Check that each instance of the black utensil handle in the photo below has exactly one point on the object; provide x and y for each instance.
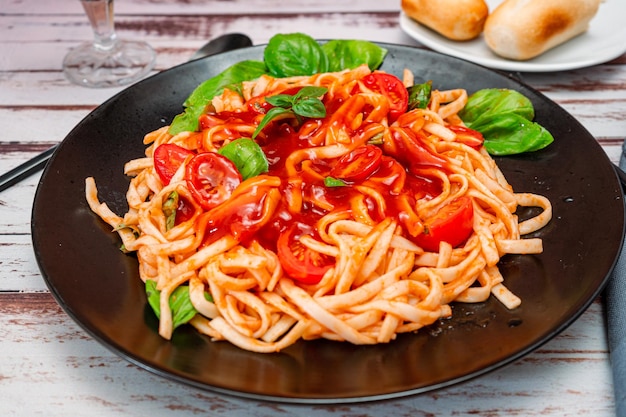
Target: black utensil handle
(26, 169)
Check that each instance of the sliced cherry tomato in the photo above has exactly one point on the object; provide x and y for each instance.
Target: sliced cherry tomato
(408, 148)
(167, 159)
(390, 86)
(299, 262)
(184, 211)
(452, 224)
(258, 105)
(211, 178)
(469, 137)
(358, 164)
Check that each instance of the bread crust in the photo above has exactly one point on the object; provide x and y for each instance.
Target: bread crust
(459, 20)
(524, 29)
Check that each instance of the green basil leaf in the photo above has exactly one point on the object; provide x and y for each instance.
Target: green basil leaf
(247, 156)
(153, 296)
(419, 95)
(288, 55)
(377, 139)
(348, 54)
(510, 134)
(504, 117)
(280, 100)
(169, 209)
(197, 102)
(271, 114)
(309, 107)
(310, 91)
(486, 103)
(180, 303)
(333, 182)
(182, 308)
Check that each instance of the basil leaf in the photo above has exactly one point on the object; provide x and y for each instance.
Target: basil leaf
(309, 107)
(419, 95)
(285, 55)
(247, 156)
(486, 103)
(504, 117)
(349, 54)
(180, 303)
(199, 99)
(271, 114)
(153, 297)
(293, 54)
(280, 100)
(333, 182)
(511, 134)
(310, 91)
(169, 209)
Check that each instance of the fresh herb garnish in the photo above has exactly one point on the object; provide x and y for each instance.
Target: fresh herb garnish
(419, 95)
(334, 182)
(180, 303)
(196, 104)
(169, 209)
(247, 156)
(504, 117)
(305, 103)
(288, 54)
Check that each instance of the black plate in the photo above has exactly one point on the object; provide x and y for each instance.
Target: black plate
(99, 287)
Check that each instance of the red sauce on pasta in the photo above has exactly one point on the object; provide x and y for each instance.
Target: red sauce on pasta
(398, 183)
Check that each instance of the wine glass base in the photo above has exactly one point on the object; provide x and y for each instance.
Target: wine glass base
(124, 63)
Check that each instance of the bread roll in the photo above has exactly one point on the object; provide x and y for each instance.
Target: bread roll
(459, 20)
(524, 29)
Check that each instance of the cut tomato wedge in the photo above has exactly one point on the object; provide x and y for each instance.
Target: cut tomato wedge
(298, 261)
(167, 159)
(358, 164)
(407, 147)
(211, 178)
(391, 87)
(185, 210)
(453, 223)
(258, 105)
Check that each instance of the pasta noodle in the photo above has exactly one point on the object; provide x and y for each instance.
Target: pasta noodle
(377, 279)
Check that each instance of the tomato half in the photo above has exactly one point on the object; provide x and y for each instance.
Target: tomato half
(358, 164)
(408, 148)
(469, 137)
(299, 262)
(167, 159)
(452, 224)
(258, 105)
(211, 178)
(390, 86)
(184, 211)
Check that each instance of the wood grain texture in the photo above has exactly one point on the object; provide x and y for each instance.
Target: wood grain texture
(50, 366)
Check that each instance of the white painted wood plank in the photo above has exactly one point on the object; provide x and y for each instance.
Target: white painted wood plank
(18, 267)
(75, 28)
(204, 7)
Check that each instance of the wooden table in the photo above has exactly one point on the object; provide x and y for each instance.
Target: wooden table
(49, 366)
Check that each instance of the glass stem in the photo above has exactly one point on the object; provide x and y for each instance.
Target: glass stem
(100, 14)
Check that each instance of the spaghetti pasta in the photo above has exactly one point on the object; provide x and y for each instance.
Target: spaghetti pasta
(285, 255)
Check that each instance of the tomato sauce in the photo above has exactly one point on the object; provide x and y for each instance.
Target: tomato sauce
(392, 170)
(390, 179)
